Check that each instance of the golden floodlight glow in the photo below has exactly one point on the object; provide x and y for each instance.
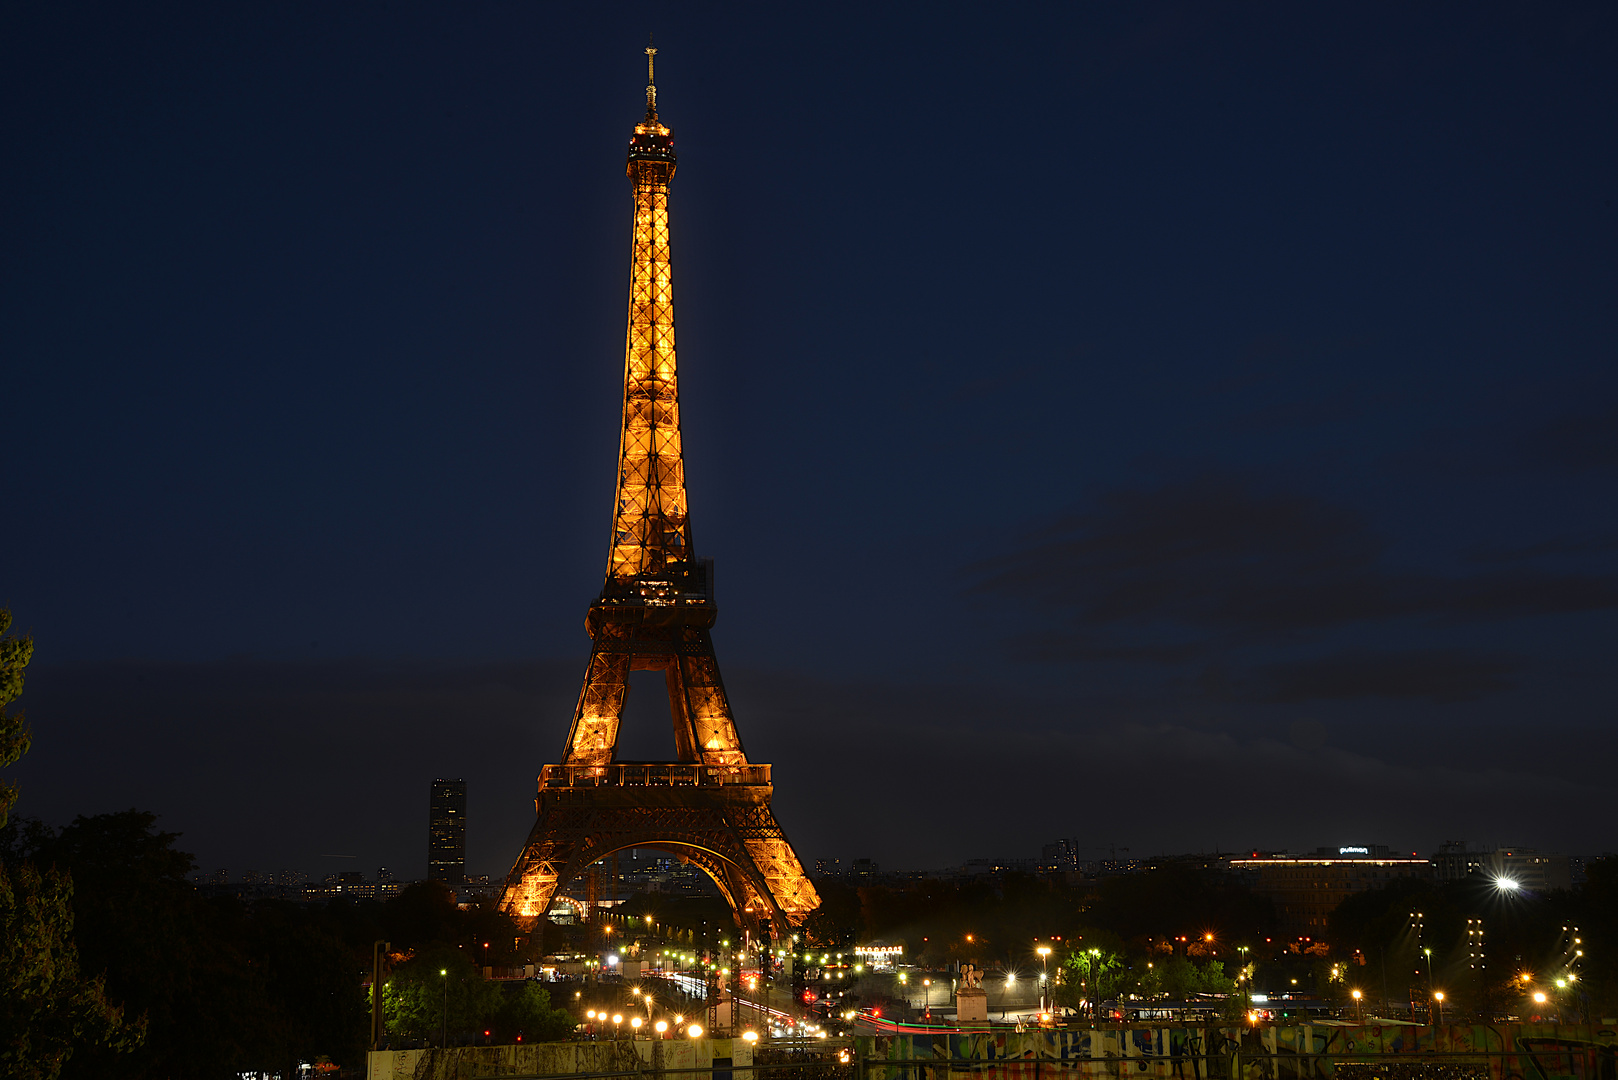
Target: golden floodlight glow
(654, 613)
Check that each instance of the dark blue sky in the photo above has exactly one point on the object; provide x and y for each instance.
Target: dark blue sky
(1187, 426)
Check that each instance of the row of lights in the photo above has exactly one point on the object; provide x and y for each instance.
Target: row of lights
(693, 1030)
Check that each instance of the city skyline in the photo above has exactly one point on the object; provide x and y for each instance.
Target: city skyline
(1197, 435)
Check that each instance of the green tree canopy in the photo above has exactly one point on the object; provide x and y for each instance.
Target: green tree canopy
(48, 1008)
(15, 652)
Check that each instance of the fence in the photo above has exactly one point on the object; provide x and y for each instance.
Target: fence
(1305, 1052)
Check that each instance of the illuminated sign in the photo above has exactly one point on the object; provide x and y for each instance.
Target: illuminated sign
(1353, 851)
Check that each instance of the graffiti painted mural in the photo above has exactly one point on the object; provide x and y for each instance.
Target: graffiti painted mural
(1319, 1052)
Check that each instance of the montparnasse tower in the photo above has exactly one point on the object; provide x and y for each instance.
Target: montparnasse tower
(710, 805)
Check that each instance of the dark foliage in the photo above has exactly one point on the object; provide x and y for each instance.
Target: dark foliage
(48, 1008)
(222, 987)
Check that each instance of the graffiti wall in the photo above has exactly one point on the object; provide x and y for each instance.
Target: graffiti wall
(1371, 1052)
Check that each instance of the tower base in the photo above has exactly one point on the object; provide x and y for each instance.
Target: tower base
(715, 817)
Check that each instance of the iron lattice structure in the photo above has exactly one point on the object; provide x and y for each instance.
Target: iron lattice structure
(711, 805)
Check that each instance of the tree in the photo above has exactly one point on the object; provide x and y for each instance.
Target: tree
(438, 994)
(1093, 975)
(15, 652)
(47, 1007)
(527, 1013)
(226, 988)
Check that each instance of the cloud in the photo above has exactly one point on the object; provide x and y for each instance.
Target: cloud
(1218, 556)
(1584, 441)
(1071, 646)
(1437, 675)
(1565, 545)
(267, 765)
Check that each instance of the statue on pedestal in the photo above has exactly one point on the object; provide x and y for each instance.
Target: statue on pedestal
(971, 1000)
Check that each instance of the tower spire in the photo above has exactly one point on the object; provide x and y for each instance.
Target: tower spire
(651, 80)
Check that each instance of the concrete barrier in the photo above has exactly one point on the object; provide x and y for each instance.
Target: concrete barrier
(551, 1059)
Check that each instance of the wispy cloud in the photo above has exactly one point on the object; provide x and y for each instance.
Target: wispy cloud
(1217, 555)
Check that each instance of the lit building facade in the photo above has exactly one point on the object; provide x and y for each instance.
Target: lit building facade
(446, 833)
(1306, 888)
(1526, 868)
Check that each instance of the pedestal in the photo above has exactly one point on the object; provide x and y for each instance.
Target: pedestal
(724, 1014)
(971, 1006)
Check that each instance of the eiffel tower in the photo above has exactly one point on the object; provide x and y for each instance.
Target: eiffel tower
(711, 806)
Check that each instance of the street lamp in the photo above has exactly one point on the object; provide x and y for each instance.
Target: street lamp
(1359, 1012)
(695, 1031)
(927, 988)
(443, 975)
(1044, 952)
(1438, 996)
(1429, 953)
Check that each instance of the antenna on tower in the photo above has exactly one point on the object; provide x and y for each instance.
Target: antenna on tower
(651, 80)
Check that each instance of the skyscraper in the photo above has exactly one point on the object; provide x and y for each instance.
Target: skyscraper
(446, 833)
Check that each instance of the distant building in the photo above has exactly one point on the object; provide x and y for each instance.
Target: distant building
(1060, 856)
(996, 867)
(828, 868)
(1578, 864)
(1305, 888)
(289, 884)
(446, 833)
(1536, 871)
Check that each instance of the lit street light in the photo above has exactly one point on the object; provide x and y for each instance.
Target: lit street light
(1044, 952)
(443, 974)
(1359, 1011)
(1438, 996)
(1429, 953)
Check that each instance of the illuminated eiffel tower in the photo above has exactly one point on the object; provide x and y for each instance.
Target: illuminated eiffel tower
(711, 806)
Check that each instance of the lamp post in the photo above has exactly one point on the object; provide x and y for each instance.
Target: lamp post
(927, 988)
(378, 950)
(1359, 1012)
(1246, 976)
(1429, 953)
(1044, 952)
(443, 975)
(1438, 996)
(1095, 979)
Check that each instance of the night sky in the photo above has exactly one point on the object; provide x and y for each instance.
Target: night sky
(1177, 427)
